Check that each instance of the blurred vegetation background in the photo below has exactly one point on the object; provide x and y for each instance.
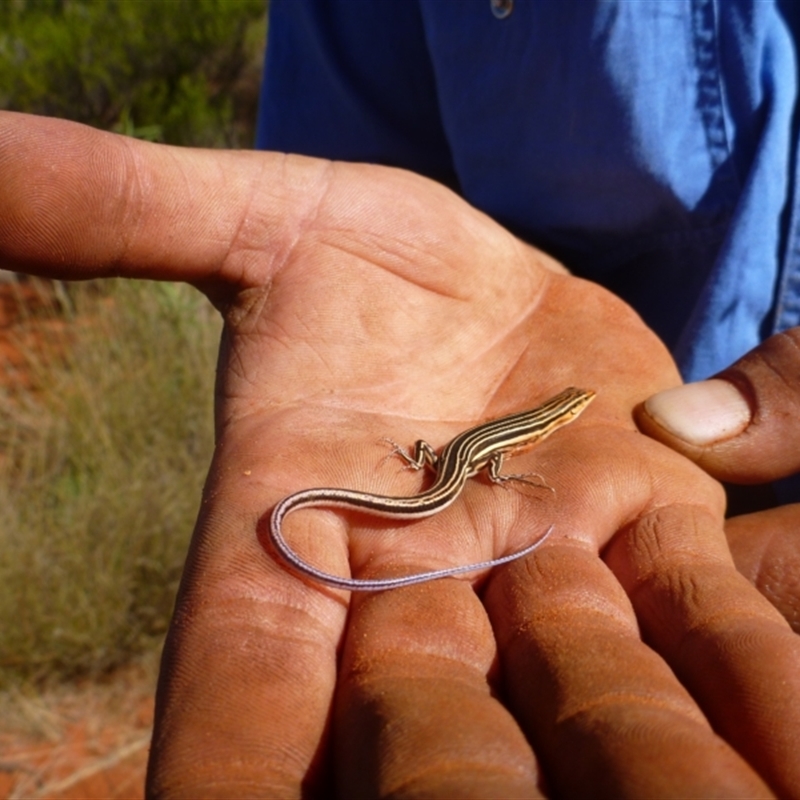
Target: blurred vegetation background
(106, 418)
(106, 434)
(176, 71)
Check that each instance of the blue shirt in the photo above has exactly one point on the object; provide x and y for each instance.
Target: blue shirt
(651, 146)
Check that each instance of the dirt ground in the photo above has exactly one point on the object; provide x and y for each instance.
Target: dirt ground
(87, 740)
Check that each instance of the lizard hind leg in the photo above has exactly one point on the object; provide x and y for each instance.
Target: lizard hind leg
(424, 455)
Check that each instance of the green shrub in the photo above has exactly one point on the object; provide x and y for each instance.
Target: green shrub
(180, 71)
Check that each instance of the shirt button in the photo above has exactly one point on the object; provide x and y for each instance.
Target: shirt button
(501, 8)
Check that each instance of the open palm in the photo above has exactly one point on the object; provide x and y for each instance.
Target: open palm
(361, 303)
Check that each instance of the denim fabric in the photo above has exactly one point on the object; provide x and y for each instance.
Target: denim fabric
(649, 145)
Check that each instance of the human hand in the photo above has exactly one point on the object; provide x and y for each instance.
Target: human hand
(362, 302)
(743, 426)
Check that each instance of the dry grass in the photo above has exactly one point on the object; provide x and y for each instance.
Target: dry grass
(103, 450)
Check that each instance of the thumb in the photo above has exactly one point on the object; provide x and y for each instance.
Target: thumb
(742, 425)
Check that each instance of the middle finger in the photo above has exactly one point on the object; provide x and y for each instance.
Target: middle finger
(415, 713)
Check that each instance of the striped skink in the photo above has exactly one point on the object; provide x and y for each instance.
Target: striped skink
(484, 446)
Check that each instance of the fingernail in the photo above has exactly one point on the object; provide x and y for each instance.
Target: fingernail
(700, 413)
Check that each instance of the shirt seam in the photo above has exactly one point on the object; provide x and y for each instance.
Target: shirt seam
(711, 95)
